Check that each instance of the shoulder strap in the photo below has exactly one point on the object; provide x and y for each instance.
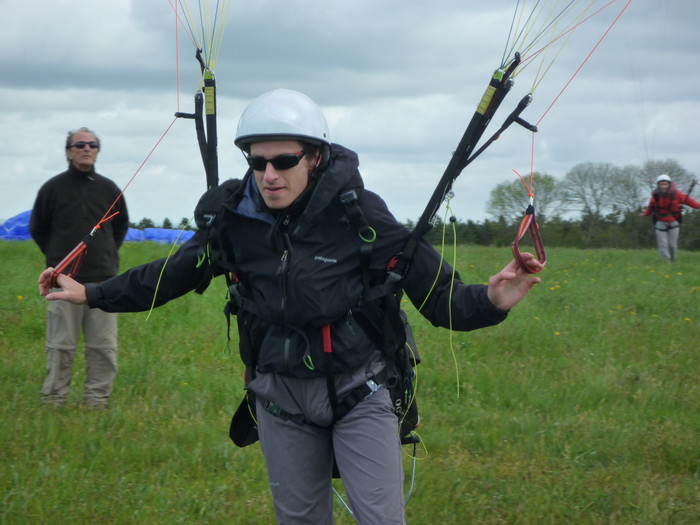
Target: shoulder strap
(206, 215)
(210, 203)
(350, 199)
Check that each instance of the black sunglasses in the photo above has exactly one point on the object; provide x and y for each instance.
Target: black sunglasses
(80, 145)
(280, 162)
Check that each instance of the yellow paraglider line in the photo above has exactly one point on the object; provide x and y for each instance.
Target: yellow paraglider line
(558, 21)
(205, 98)
(208, 34)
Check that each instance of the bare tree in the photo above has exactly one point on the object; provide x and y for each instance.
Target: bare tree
(629, 190)
(595, 191)
(587, 188)
(653, 168)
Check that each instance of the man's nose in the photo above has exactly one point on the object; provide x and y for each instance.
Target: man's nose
(270, 171)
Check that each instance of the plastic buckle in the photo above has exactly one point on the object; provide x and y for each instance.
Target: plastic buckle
(373, 387)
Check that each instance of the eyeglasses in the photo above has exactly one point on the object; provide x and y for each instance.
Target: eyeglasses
(81, 144)
(280, 162)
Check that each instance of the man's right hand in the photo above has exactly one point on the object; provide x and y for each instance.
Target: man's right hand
(71, 290)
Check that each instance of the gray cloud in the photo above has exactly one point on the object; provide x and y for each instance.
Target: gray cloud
(398, 80)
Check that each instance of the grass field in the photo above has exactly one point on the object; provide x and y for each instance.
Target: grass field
(582, 408)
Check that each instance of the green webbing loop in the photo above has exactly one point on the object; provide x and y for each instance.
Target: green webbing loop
(308, 362)
(202, 257)
(367, 239)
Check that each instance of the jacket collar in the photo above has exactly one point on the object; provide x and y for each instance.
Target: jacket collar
(79, 173)
(342, 171)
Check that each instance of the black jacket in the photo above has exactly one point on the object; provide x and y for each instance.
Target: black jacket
(66, 209)
(301, 269)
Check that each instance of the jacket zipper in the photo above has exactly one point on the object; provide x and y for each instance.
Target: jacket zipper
(283, 272)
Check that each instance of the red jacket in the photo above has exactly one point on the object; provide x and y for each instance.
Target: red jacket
(667, 207)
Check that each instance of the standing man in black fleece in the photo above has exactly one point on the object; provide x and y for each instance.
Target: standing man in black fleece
(310, 325)
(66, 209)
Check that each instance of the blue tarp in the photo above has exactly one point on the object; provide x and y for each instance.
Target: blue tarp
(159, 235)
(17, 229)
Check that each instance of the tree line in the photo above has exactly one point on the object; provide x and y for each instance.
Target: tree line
(630, 231)
(167, 224)
(595, 205)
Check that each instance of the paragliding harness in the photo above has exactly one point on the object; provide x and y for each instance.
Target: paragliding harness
(383, 320)
(673, 196)
(378, 314)
(392, 333)
(658, 212)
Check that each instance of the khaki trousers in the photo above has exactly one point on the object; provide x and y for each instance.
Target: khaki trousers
(65, 322)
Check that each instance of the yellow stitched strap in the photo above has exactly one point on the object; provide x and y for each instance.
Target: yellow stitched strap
(490, 91)
(209, 92)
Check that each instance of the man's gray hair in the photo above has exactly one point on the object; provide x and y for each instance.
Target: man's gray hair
(71, 134)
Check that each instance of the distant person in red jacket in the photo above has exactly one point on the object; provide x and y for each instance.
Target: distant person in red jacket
(665, 207)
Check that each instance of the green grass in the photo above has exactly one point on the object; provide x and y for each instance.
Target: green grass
(583, 407)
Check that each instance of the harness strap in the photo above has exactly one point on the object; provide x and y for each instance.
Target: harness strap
(350, 200)
(344, 406)
(670, 226)
(276, 410)
(243, 303)
(380, 290)
(328, 362)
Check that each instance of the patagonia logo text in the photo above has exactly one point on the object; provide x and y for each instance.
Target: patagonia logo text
(325, 259)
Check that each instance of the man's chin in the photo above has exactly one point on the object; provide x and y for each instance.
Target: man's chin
(276, 204)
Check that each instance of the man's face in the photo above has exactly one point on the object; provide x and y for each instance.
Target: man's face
(83, 158)
(664, 185)
(280, 187)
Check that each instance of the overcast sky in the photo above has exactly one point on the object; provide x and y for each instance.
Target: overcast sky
(398, 81)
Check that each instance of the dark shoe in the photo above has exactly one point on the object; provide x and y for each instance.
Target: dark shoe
(53, 401)
(96, 404)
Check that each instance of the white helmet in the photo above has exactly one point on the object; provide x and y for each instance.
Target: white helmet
(283, 114)
(663, 177)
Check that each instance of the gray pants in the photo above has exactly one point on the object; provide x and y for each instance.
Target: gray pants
(366, 446)
(65, 322)
(667, 239)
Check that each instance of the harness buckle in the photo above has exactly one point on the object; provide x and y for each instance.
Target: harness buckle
(373, 387)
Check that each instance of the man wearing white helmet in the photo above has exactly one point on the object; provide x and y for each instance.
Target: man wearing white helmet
(665, 208)
(308, 248)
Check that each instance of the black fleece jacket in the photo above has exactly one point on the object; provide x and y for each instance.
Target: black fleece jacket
(66, 209)
(303, 270)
